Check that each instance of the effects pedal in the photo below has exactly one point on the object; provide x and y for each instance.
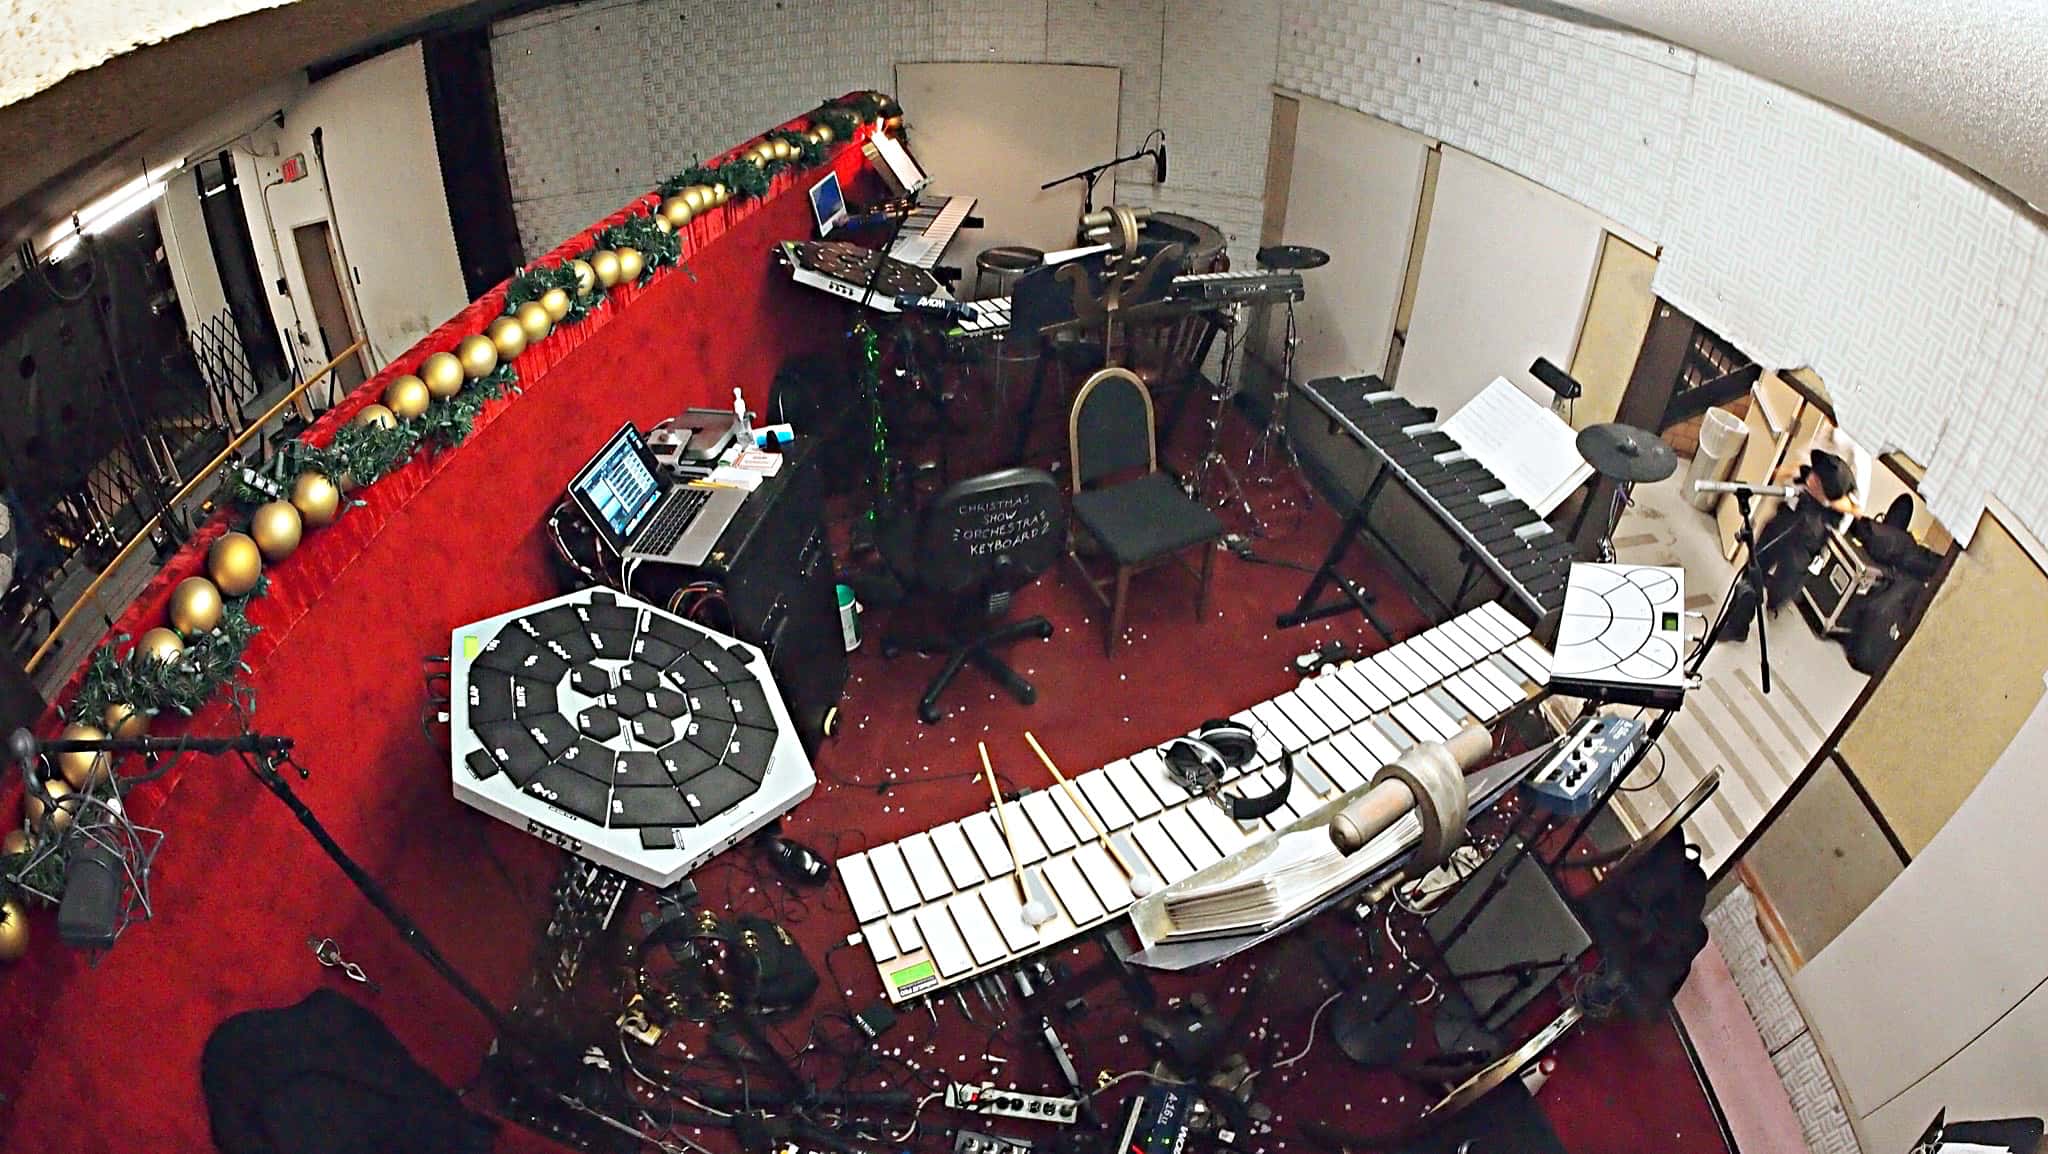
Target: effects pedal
(1583, 763)
(1160, 1120)
(994, 1102)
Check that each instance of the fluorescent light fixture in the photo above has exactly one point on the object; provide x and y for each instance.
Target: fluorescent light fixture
(108, 211)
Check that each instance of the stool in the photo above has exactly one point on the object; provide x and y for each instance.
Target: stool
(1006, 262)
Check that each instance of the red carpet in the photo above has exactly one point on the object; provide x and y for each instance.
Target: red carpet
(106, 1058)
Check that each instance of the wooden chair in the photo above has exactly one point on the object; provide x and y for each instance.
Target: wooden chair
(1136, 514)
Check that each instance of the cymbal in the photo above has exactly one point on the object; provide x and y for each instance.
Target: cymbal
(1292, 256)
(1626, 453)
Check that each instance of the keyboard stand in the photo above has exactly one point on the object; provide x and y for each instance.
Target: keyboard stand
(1353, 595)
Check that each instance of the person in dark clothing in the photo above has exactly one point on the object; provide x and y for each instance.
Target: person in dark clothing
(1792, 538)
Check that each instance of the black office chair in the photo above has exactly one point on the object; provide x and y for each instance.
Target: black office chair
(1140, 520)
(972, 547)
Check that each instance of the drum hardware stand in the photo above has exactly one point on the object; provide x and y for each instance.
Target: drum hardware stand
(1274, 438)
(1214, 460)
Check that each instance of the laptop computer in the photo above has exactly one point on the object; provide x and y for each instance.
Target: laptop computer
(644, 515)
(828, 204)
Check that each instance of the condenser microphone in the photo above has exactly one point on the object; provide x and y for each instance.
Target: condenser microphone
(1159, 161)
(1788, 492)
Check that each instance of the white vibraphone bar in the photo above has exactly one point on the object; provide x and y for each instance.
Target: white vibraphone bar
(943, 906)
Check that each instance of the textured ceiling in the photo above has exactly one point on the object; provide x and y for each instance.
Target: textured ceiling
(1965, 78)
(89, 131)
(43, 41)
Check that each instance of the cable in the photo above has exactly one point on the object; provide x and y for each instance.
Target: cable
(1311, 1043)
(915, 1117)
(1658, 749)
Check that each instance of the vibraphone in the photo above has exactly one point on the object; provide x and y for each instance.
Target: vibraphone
(944, 905)
(1495, 531)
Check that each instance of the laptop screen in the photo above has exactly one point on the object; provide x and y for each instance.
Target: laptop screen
(617, 486)
(828, 203)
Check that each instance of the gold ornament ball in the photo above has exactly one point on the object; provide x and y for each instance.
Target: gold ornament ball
(13, 931)
(605, 263)
(161, 644)
(824, 132)
(442, 373)
(377, 415)
(316, 498)
(720, 193)
(586, 277)
(697, 198)
(478, 356)
(407, 397)
(126, 720)
(85, 768)
(631, 265)
(556, 302)
(508, 336)
(195, 606)
(277, 528)
(677, 210)
(785, 149)
(235, 564)
(534, 321)
(14, 844)
(32, 806)
(662, 226)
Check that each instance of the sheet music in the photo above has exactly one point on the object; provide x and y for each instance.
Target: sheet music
(1528, 447)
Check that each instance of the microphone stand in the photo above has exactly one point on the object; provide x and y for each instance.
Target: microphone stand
(1094, 173)
(1753, 574)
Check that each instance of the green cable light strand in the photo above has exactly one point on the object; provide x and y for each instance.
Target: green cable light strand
(869, 344)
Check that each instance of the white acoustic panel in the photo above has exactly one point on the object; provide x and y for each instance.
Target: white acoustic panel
(1506, 272)
(1353, 192)
(1951, 946)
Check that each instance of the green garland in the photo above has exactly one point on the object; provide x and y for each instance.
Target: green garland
(140, 681)
(657, 249)
(47, 877)
(535, 281)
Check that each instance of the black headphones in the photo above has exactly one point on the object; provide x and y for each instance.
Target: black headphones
(1200, 763)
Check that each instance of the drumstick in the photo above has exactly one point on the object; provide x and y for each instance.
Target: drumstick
(1036, 913)
(1141, 883)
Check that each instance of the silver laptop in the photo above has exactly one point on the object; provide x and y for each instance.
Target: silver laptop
(643, 514)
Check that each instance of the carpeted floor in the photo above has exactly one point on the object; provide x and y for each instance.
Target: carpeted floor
(240, 888)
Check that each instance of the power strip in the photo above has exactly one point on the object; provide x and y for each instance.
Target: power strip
(981, 1142)
(995, 1102)
(1571, 780)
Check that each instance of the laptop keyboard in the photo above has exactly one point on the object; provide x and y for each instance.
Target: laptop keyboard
(673, 519)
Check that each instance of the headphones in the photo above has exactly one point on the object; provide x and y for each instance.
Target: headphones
(1201, 762)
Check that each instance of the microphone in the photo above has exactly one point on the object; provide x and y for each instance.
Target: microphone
(1159, 161)
(1787, 492)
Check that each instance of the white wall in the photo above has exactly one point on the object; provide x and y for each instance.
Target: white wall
(582, 139)
(189, 251)
(388, 205)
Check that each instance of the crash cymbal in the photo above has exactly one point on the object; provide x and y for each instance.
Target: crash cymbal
(1626, 453)
(1292, 256)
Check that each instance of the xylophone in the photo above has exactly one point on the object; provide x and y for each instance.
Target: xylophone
(944, 905)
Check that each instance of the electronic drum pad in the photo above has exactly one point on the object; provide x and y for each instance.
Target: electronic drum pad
(621, 733)
(1621, 636)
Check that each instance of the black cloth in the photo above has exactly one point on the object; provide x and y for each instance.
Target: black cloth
(1786, 547)
(326, 1077)
(1649, 924)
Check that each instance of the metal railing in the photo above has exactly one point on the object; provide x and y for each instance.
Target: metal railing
(249, 430)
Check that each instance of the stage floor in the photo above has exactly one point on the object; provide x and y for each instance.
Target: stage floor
(240, 888)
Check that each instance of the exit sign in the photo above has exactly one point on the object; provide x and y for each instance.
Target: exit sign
(294, 168)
